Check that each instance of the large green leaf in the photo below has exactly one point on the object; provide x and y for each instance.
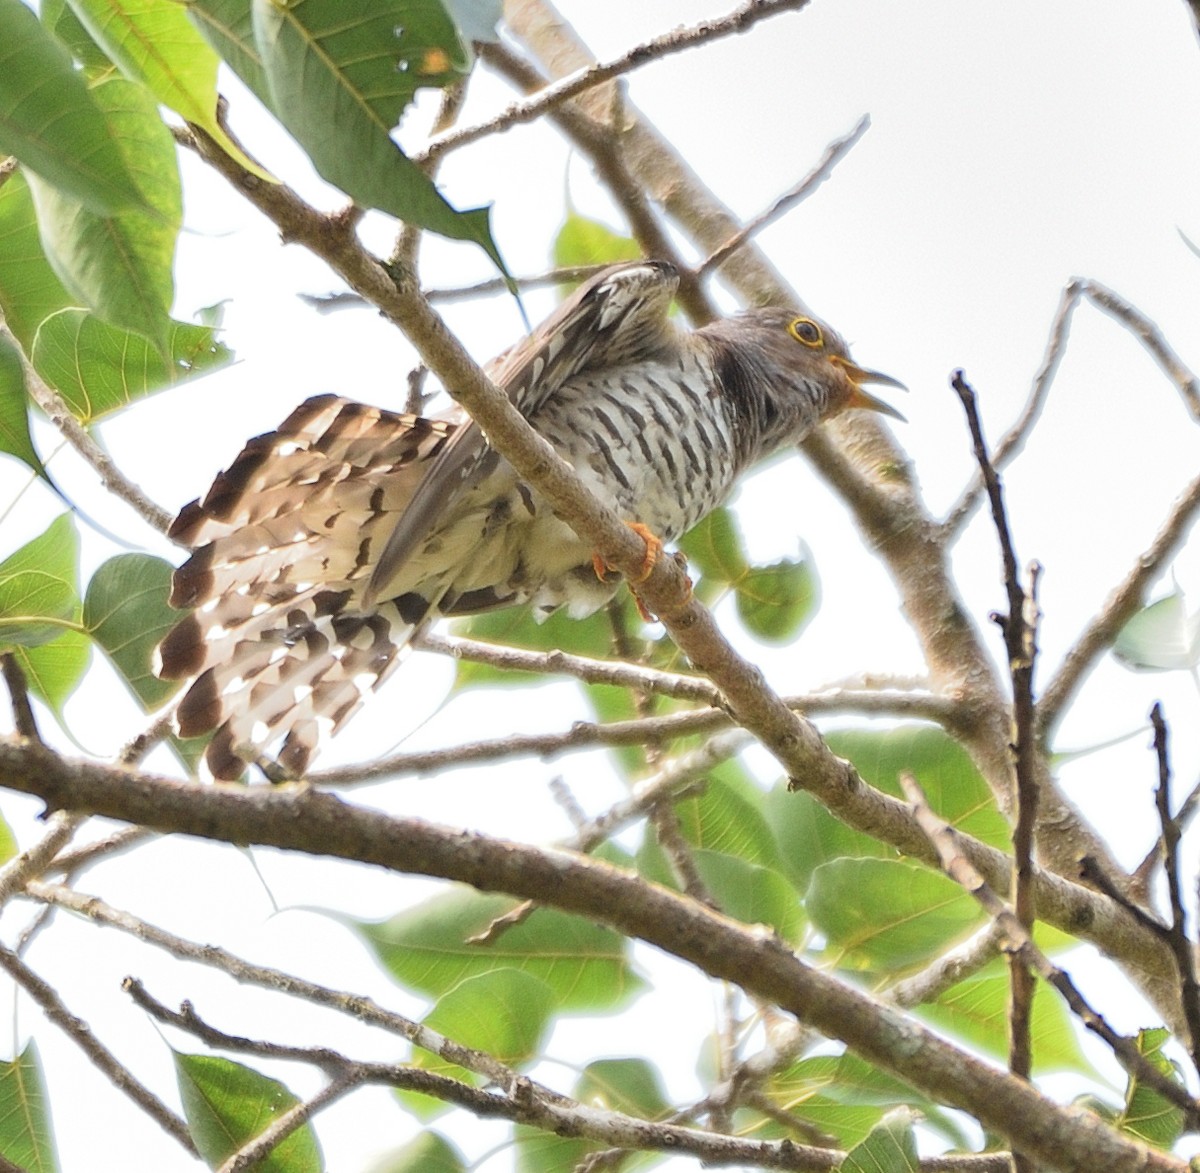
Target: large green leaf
(890, 1147)
(1147, 1114)
(727, 816)
(14, 409)
(888, 915)
(429, 949)
(99, 369)
(49, 120)
(26, 1138)
(60, 19)
(154, 43)
(581, 241)
(125, 610)
(228, 1104)
(30, 291)
(429, 1152)
(977, 1010)
(340, 78)
(228, 26)
(120, 265)
(38, 593)
(54, 669)
(504, 1012)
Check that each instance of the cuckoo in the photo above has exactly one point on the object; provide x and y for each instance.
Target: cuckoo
(328, 543)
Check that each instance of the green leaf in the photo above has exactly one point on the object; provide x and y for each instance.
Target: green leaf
(581, 241)
(29, 289)
(891, 1147)
(14, 410)
(776, 602)
(504, 1012)
(53, 670)
(126, 612)
(99, 369)
(153, 43)
(845, 1097)
(976, 1010)
(228, 26)
(120, 265)
(38, 595)
(228, 1104)
(1160, 638)
(886, 915)
(750, 893)
(26, 1137)
(339, 81)
(428, 948)
(632, 1086)
(49, 120)
(427, 1153)
(1147, 1114)
(727, 817)
(57, 16)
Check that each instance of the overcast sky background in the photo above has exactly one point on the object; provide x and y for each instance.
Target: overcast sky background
(1011, 148)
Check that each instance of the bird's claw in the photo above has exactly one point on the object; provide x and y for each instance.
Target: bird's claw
(654, 549)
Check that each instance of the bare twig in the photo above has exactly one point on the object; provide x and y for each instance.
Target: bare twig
(60, 415)
(1016, 939)
(82, 1036)
(1181, 947)
(18, 691)
(1013, 441)
(949, 968)
(553, 94)
(834, 154)
(1117, 610)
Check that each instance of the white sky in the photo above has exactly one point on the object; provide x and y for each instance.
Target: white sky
(1012, 147)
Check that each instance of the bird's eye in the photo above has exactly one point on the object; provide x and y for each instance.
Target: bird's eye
(807, 331)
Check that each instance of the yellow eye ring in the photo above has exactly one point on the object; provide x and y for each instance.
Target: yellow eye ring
(807, 332)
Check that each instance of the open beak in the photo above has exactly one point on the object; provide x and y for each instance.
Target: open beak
(864, 399)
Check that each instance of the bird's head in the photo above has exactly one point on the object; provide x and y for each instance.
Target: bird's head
(813, 356)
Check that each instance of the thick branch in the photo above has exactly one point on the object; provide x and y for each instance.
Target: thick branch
(302, 819)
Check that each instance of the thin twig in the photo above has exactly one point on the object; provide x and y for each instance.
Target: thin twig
(18, 691)
(655, 49)
(834, 154)
(945, 840)
(1118, 609)
(61, 416)
(1181, 947)
(81, 1035)
(1012, 442)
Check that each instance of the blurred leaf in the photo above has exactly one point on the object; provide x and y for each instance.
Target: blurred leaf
(890, 1148)
(429, 1152)
(774, 602)
(228, 1104)
(53, 670)
(427, 948)
(632, 1086)
(153, 42)
(126, 612)
(29, 289)
(339, 81)
(228, 26)
(99, 369)
(504, 1012)
(38, 593)
(476, 19)
(976, 1010)
(120, 265)
(727, 816)
(26, 1137)
(581, 241)
(49, 120)
(60, 19)
(886, 915)
(1147, 1114)
(846, 1097)
(14, 410)
(1160, 638)
(751, 893)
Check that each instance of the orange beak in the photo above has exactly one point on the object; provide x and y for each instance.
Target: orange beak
(864, 399)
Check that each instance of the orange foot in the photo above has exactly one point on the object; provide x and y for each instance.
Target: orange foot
(653, 550)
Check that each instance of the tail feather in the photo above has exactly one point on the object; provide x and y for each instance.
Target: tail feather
(279, 650)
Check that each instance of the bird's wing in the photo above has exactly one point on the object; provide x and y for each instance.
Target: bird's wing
(618, 316)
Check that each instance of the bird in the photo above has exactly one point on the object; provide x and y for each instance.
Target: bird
(328, 544)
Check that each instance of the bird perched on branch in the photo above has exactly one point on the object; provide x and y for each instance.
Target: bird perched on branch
(329, 542)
